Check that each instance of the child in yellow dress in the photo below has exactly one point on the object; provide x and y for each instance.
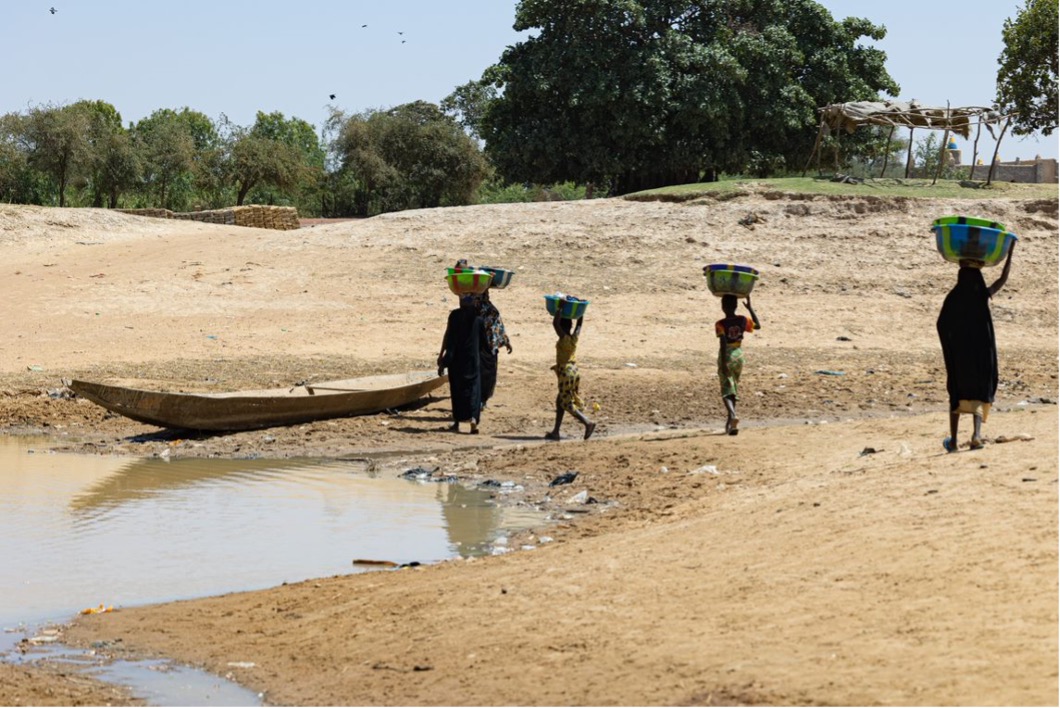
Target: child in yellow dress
(568, 378)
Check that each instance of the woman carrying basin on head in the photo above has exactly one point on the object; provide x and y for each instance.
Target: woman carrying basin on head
(966, 332)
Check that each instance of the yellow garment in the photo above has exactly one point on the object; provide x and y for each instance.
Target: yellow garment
(978, 408)
(566, 369)
(566, 349)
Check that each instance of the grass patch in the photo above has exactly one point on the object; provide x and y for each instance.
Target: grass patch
(889, 187)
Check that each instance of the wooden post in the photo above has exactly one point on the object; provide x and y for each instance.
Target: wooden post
(909, 154)
(997, 146)
(816, 145)
(942, 156)
(975, 148)
(942, 150)
(887, 153)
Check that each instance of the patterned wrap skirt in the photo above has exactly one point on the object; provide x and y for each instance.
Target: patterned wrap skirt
(569, 380)
(734, 359)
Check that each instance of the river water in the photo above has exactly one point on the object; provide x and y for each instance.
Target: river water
(79, 531)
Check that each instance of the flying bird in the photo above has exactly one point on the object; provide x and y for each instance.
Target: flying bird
(331, 96)
(52, 10)
(363, 26)
(401, 33)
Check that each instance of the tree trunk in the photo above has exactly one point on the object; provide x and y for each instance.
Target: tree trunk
(909, 155)
(887, 153)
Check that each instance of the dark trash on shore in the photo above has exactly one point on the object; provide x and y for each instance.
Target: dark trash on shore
(565, 478)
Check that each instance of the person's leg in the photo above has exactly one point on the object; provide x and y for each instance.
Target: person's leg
(731, 420)
(950, 443)
(977, 432)
(554, 433)
(589, 425)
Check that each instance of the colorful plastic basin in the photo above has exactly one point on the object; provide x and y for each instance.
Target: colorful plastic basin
(729, 279)
(970, 221)
(972, 241)
(569, 307)
(501, 277)
(468, 282)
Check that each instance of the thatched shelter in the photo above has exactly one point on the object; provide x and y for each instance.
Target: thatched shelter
(850, 116)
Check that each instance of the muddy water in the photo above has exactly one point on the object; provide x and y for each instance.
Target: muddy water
(79, 531)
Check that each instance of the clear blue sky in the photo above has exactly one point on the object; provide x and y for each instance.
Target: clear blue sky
(239, 56)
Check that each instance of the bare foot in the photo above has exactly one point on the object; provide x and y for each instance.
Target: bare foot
(589, 428)
(474, 429)
(734, 426)
(552, 435)
(454, 428)
(975, 443)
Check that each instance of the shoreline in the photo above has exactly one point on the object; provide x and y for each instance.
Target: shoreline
(851, 562)
(640, 505)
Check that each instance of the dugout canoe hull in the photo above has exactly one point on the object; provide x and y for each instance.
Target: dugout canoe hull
(248, 410)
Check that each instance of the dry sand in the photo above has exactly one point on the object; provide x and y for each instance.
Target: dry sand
(806, 570)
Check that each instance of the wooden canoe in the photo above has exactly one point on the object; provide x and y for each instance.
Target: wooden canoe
(246, 410)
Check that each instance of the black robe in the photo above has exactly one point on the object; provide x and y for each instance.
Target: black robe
(488, 362)
(966, 331)
(463, 337)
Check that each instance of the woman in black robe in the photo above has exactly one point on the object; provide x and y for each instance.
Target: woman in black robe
(966, 332)
(461, 355)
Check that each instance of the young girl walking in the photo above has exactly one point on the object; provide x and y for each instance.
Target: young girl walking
(730, 330)
(568, 378)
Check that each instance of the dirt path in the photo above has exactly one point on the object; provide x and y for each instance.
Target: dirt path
(807, 570)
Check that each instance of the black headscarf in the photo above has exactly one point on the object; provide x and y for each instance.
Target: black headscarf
(966, 331)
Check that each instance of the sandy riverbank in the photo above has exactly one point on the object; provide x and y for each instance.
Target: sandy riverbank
(807, 570)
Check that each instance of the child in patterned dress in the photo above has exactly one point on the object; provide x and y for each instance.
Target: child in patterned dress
(730, 330)
(568, 378)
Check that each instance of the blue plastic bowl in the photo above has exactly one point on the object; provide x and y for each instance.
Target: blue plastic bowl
(501, 277)
(729, 279)
(568, 308)
(972, 242)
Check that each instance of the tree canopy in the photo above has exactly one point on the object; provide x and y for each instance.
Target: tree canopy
(412, 156)
(641, 93)
(1027, 77)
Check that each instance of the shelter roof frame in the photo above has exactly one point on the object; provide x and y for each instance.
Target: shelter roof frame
(908, 114)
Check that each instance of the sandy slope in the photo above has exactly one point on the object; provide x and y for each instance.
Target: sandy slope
(805, 572)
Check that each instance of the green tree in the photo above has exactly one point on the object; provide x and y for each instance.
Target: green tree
(111, 166)
(409, 157)
(642, 93)
(1027, 77)
(467, 104)
(19, 182)
(56, 142)
(165, 145)
(117, 166)
(279, 154)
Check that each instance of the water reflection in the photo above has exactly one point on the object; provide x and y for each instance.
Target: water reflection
(147, 478)
(471, 523)
(77, 531)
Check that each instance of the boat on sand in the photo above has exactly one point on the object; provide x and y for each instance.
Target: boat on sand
(247, 410)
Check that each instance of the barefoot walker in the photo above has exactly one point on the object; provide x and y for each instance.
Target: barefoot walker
(567, 375)
(730, 330)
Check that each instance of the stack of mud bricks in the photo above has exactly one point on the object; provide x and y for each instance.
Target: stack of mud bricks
(257, 216)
